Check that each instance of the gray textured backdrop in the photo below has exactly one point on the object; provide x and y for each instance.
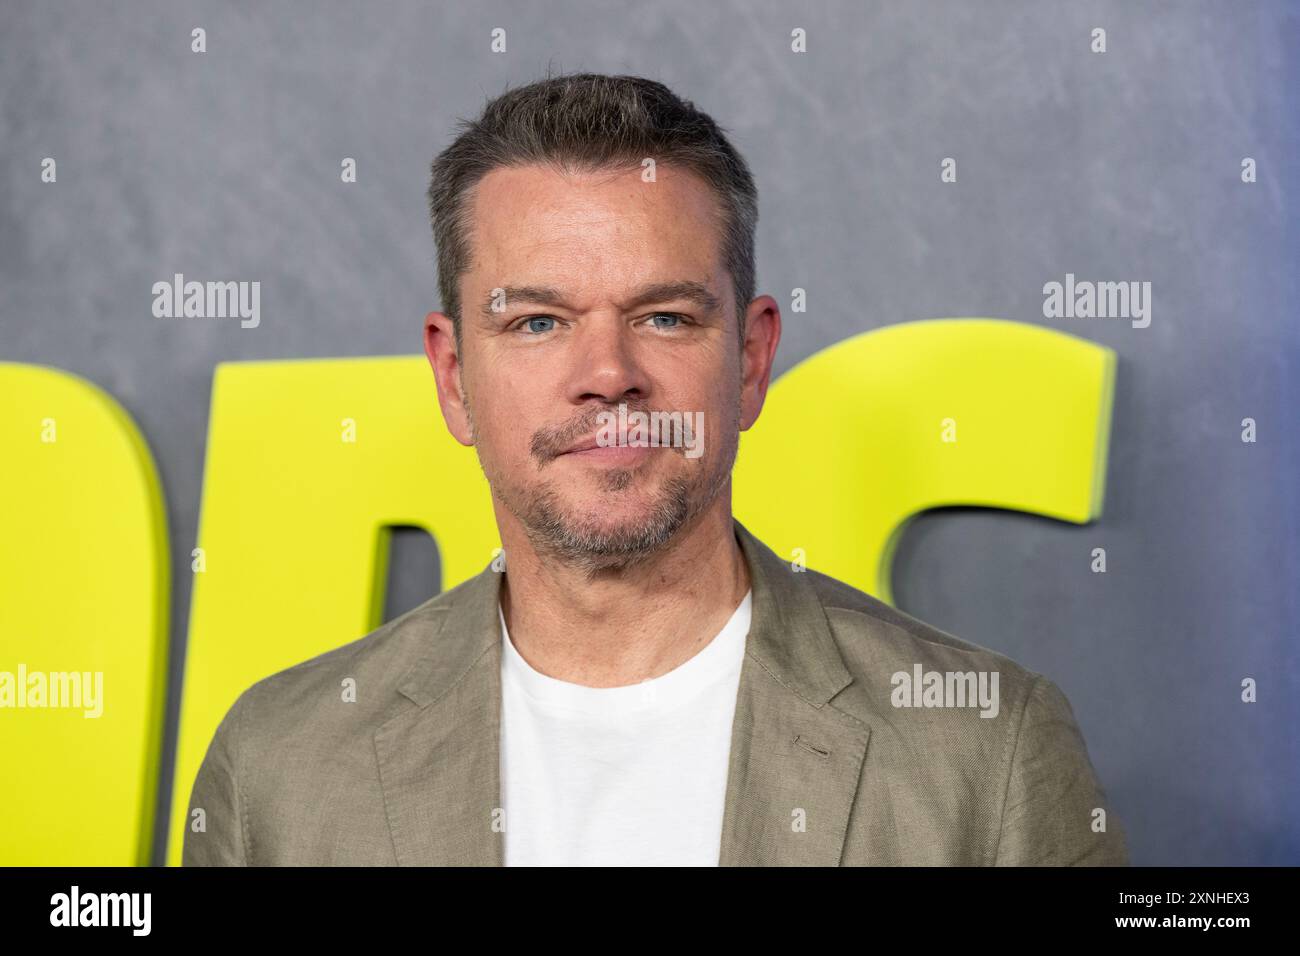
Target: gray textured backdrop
(1123, 165)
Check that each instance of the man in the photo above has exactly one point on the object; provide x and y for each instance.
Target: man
(643, 681)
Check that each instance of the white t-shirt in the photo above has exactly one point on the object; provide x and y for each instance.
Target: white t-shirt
(619, 776)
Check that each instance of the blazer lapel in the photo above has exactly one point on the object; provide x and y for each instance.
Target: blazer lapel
(795, 761)
(439, 760)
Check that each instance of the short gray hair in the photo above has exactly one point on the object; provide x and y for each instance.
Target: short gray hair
(588, 122)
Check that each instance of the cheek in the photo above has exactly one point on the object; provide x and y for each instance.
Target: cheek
(505, 428)
(723, 392)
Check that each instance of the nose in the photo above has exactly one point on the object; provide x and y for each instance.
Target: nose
(606, 366)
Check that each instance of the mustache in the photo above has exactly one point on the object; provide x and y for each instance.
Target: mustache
(547, 444)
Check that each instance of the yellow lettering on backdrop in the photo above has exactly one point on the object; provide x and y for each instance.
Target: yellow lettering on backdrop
(860, 438)
(309, 464)
(84, 588)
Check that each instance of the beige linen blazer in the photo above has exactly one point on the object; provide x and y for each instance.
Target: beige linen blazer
(826, 766)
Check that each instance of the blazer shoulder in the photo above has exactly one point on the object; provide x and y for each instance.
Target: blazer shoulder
(385, 645)
(1023, 778)
(858, 619)
(306, 694)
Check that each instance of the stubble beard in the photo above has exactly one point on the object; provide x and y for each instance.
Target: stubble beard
(557, 533)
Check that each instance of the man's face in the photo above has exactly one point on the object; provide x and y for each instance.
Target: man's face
(587, 291)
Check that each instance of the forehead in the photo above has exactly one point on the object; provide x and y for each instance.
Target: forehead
(533, 223)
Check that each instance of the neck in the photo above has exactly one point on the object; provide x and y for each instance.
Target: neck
(621, 627)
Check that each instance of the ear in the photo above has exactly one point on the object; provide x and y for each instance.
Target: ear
(440, 347)
(762, 335)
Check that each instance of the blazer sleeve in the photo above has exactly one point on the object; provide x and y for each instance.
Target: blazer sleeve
(1049, 816)
(218, 793)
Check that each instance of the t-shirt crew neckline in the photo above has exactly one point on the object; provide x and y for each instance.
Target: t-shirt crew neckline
(717, 661)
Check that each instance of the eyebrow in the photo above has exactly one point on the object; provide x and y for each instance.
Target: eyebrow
(686, 289)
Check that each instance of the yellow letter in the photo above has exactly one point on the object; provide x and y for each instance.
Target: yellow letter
(84, 586)
(846, 451)
(296, 523)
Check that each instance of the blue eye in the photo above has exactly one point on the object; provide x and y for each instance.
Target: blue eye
(676, 319)
(529, 323)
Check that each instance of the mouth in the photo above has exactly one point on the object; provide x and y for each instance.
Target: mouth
(588, 451)
(581, 445)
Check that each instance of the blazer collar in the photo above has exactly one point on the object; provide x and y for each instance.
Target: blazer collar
(794, 763)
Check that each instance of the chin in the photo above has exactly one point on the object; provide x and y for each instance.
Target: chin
(620, 517)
